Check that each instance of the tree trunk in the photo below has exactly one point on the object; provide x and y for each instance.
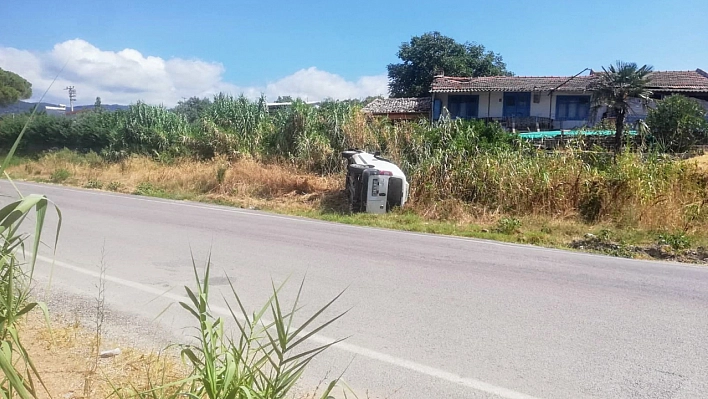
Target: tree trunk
(619, 131)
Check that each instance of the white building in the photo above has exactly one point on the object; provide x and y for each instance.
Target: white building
(545, 102)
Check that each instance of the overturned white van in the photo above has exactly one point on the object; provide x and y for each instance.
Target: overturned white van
(374, 184)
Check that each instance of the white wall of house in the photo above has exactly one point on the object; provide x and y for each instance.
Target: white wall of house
(491, 104)
(545, 105)
(495, 106)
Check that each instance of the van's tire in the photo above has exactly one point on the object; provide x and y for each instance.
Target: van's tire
(355, 202)
(354, 186)
(354, 172)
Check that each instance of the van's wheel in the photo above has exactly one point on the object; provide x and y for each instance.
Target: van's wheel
(355, 204)
(354, 172)
(354, 207)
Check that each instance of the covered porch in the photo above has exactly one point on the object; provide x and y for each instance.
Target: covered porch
(518, 103)
(517, 111)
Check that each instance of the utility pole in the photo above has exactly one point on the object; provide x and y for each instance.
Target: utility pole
(72, 96)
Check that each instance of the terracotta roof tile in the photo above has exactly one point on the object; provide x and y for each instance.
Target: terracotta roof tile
(398, 105)
(673, 81)
(679, 81)
(448, 84)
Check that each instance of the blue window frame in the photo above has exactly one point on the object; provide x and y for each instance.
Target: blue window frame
(517, 105)
(465, 107)
(572, 108)
(437, 106)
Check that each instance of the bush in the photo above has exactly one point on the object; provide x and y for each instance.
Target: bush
(83, 132)
(677, 123)
(677, 241)
(149, 190)
(60, 175)
(146, 130)
(262, 359)
(508, 225)
(114, 186)
(94, 184)
(221, 173)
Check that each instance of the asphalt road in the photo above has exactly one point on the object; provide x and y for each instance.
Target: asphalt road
(431, 316)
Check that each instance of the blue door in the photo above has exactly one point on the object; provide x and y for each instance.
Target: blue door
(437, 107)
(517, 105)
(465, 107)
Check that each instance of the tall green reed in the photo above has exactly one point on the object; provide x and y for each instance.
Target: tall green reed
(16, 273)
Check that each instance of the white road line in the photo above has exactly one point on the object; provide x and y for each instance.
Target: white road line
(471, 383)
(218, 208)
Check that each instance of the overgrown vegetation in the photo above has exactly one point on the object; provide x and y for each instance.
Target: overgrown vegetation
(460, 171)
(678, 122)
(20, 377)
(262, 359)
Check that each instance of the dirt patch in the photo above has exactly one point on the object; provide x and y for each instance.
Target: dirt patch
(67, 361)
(659, 252)
(698, 255)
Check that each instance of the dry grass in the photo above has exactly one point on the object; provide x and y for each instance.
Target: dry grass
(245, 182)
(629, 193)
(65, 356)
(636, 201)
(242, 182)
(702, 162)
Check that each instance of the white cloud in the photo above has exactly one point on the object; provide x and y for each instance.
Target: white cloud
(127, 76)
(314, 84)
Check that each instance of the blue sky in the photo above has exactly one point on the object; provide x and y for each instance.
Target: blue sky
(318, 48)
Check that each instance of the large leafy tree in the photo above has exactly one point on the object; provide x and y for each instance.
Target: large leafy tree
(614, 88)
(13, 88)
(432, 53)
(192, 108)
(284, 99)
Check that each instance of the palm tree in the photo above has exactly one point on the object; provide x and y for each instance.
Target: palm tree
(614, 88)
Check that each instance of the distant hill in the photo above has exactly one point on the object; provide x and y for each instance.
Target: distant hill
(25, 106)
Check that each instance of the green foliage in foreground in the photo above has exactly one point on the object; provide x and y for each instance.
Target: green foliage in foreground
(263, 359)
(19, 373)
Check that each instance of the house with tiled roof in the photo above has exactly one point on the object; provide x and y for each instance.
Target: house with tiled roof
(543, 102)
(412, 108)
